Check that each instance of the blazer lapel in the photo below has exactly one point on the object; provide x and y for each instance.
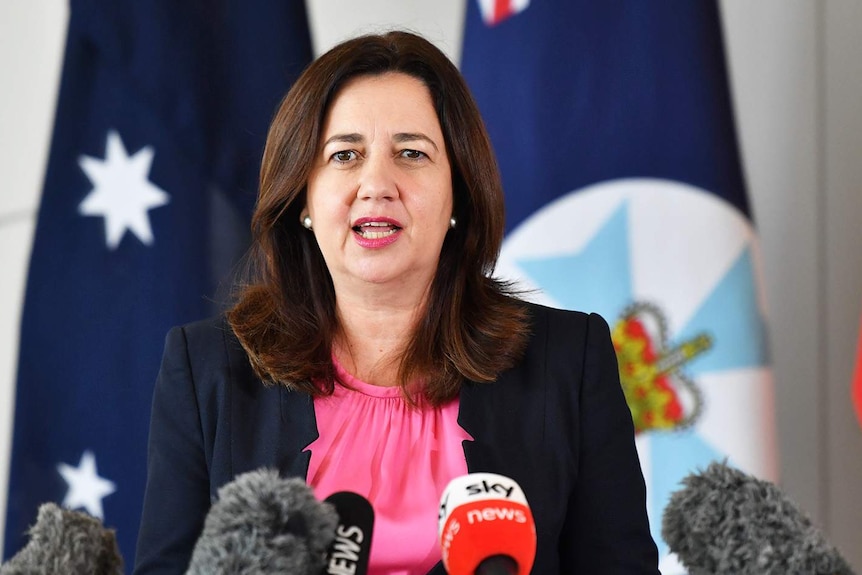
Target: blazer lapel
(299, 427)
(486, 413)
(269, 425)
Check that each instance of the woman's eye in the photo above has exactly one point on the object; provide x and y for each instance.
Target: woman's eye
(344, 156)
(412, 154)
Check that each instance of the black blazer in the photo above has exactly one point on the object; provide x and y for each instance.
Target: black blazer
(557, 424)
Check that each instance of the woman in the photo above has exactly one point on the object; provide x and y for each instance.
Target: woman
(375, 353)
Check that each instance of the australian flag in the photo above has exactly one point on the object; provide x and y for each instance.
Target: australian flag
(614, 131)
(162, 115)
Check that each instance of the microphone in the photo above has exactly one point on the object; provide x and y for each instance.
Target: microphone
(65, 541)
(264, 524)
(486, 527)
(351, 549)
(725, 521)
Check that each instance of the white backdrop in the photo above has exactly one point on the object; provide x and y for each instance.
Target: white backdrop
(796, 70)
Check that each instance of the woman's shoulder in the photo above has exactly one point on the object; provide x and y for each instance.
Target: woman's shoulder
(206, 343)
(214, 330)
(210, 327)
(566, 337)
(544, 317)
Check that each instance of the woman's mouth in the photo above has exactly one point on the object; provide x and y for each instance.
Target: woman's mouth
(376, 227)
(376, 232)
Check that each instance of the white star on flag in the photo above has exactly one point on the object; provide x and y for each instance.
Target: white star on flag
(86, 488)
(121, 193)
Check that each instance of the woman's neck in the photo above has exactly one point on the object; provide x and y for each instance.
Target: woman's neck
(373, 337)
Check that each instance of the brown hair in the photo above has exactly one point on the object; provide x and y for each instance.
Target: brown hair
(285, 318)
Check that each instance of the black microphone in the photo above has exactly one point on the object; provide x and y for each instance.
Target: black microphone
(264, 524)
(725, 521)
(497, 565)
(64, 541)
(351, 549)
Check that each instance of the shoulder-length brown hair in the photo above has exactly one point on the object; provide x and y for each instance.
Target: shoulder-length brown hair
(285, 317)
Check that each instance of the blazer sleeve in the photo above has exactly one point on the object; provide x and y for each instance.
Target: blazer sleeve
(606, 516)
(176, 499)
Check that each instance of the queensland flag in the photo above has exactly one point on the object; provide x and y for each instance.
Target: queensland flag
(162, 115)
(613, 127)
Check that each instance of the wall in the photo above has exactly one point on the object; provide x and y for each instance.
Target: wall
(797, 82)
(796, 68)
(31, 47)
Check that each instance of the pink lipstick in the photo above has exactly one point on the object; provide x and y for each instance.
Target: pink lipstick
(376, 232)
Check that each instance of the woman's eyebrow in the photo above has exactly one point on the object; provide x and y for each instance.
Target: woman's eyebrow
(402, 137)
(353, 138)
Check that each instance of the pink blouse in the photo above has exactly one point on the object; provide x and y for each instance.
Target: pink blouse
(400, 458)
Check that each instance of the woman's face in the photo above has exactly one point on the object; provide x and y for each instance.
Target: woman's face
(380, 190)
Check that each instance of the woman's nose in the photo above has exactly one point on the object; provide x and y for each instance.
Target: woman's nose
(378, 179)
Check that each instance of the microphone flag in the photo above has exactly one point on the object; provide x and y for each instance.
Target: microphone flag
(485, 516)
(613, 128)
(857, 378)
(350, 551)
(162, 115)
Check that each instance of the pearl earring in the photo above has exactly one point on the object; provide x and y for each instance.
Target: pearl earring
(452, 222)
(306, 222)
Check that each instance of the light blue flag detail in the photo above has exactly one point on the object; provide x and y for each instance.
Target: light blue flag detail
(730, 314)
(596, 279)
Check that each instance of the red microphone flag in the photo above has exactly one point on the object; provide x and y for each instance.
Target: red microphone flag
(857, 378)
(485, 515)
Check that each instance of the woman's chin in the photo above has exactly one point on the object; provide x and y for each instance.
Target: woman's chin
(402, 281)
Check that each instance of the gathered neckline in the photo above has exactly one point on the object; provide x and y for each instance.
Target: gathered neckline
(353, 383)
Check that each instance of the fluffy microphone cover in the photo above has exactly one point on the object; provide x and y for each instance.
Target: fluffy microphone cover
(263, 524)
(63, 542)
(725, 521)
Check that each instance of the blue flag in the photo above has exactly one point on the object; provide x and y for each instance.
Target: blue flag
(162, 115)
(613, 126)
